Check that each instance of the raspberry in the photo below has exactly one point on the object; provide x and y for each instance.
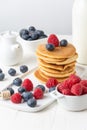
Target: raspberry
(52, 39)
(38, 93)
(66, 92)
(73, 79)
(51, 82)
(76, 78)
(63, 85)
(77, 89)
(27, 84)
(16, 98)
(84, 82)
(84, 90)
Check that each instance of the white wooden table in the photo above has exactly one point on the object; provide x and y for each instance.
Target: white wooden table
(51, 118)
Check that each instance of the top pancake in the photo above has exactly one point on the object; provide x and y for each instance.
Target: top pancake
(58, 52)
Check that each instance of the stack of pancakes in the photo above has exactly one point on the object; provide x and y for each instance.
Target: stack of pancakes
(59, 63)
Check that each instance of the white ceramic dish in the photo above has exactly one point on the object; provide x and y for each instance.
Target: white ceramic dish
(31, 46)
(71, 103)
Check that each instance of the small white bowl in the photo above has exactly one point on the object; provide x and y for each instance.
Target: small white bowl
(71, 103)
(31, 46)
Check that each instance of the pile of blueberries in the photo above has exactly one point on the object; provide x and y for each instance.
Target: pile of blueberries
(32, 34)
(12, 71)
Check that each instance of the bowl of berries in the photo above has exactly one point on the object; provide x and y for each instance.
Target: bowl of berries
(72, 93)
(30, 38)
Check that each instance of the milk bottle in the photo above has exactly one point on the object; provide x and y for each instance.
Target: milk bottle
(79, 29)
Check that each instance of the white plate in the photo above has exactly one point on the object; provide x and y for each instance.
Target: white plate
(43, 103)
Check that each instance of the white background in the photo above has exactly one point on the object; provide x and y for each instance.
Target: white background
(53, 16)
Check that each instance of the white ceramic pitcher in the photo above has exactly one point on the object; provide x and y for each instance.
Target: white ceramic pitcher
(11, 52)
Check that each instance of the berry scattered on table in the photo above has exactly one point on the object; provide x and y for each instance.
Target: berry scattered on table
(12, 72)
(63, 42)
(11, 90)
(50, 47)
(16, 98)
(53, 39)
(32, 102)
(41, 86)
(0, 70)
(27, 95)
(23, 68)
(38, 93)
(2, 76)
(27, 84)
(52, 89)
(21, 90)
(17, 81)
(51, 82)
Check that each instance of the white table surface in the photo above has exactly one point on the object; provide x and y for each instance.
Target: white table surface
(51, 118)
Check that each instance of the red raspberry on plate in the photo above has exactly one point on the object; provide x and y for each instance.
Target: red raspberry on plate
(84, 82)
(16, 98)
(51, 82)
(27, 84)
(66, 92)
(38, 93)
(77, 89)
(52, 39)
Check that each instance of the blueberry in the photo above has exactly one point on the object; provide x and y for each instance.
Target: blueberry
(43, 36)
(23, 32)
(0, 70)
(2, 76)
(50, 47)
(29, 39)
(25, 36)
(41, 86)
(52, 89)
(23, 68)
(12, 72)
(17, 81)
(11, 91)
(63, 42)
(27, 95)
(34, 36)
(39, 32)
(21, 90)
(32, 102)
(31, 28)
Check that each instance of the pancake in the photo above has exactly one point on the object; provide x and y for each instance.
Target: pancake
(68, 61)
(50, 59)
(58, 52)
(54, 66)
(44, 78)
(59, 75)
(54, 71)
